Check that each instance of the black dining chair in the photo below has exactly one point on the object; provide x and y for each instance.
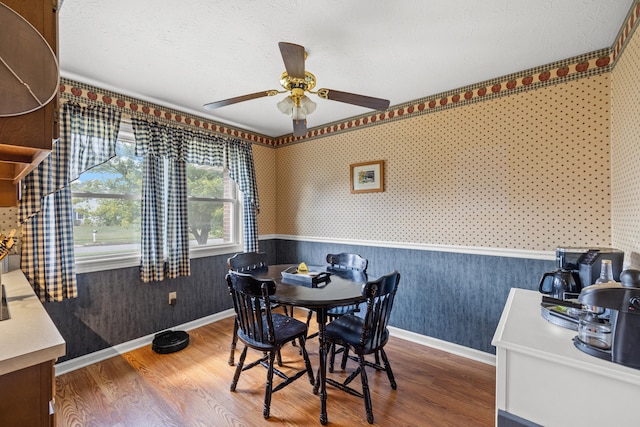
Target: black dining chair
(264, 331)
(348, 265)
(246, 262)
(351, 266)
(365, 336)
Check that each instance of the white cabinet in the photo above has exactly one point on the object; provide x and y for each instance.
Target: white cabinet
(541, 377)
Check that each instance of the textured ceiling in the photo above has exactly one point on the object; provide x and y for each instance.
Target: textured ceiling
(186, 53)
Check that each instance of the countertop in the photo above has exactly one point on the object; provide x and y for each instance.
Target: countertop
(522, 329)
(29, 337)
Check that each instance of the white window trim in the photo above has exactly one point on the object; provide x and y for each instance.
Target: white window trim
(126, 261)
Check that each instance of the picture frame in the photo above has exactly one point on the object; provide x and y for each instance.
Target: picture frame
(367, 177)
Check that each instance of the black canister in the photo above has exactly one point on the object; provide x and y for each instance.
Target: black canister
(630, 278)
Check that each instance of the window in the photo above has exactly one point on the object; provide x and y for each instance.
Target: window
(213, 208)
(107, 206)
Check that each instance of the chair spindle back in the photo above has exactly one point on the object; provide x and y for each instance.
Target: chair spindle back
(251, 304)
(380, 295)
(247, 261)
(348, 261)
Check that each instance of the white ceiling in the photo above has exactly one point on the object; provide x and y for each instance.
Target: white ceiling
(186, 53)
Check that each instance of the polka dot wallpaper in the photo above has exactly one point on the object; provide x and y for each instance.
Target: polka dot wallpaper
(264, 161)
(625, 153)
(526, 171)
(8, 219)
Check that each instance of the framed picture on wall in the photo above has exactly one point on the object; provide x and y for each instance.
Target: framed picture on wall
(367, 177)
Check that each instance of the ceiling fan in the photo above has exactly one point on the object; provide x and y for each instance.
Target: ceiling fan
(297, 81)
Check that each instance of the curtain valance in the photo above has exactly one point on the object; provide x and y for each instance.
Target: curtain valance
(200, 148)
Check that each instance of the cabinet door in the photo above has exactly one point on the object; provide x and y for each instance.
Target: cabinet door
(26, 139)
(25, 396)
(38, 128)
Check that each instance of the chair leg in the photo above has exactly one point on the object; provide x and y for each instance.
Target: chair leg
(309, 315)
(290, 314)
(234, 341)
(269, 386)
(236, 376)
(332, 356)
(365, 390)
(387, 367)
(307, 362)
(345, 357)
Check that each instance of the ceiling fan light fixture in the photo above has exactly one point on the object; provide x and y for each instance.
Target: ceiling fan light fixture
(307, 105)
(297, 107)
(286, 105)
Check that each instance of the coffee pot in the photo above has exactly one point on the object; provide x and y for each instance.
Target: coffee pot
(561, 284)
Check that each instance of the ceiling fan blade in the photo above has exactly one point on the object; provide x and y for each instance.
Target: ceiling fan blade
(293, 57)
(218, 104)
(299, 127)
(352, 98)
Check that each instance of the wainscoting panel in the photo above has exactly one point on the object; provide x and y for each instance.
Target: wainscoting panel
(114, 306)
(454, 297)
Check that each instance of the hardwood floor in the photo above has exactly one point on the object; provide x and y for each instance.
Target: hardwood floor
(191, 388)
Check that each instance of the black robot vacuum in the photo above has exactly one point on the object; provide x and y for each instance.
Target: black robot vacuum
(170, 341)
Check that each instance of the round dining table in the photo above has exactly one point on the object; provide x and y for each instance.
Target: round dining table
(341, 288)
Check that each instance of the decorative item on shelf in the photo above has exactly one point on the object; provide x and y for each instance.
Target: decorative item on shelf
(6, 243)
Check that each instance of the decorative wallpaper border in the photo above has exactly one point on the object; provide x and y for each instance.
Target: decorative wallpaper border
(626, 31)
(87, 94)
(586, 65)
(571, 69)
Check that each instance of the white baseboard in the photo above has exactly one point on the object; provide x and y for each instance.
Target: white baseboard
(449, 347)
(107, 353)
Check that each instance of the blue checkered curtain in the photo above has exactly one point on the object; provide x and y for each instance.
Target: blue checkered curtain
(196, 148)
(237, 157)
(165, 231)
(87, 138)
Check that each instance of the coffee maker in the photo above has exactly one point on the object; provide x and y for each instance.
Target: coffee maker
(578, 268)
(617, 339)
(587, 261)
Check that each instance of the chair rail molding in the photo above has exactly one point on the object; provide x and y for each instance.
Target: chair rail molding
(501, 252)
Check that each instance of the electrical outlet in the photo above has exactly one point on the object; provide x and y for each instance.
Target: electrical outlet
(172, 298)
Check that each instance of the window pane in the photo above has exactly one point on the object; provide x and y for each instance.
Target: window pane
(210, 220)
(105, 226)
(120, 175)
(207, 225)
(108, 221)
(205, 181)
